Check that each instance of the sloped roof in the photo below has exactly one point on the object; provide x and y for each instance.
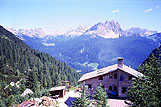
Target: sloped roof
(27, 91)
(70, 101)
(57, 88)
(108, 70)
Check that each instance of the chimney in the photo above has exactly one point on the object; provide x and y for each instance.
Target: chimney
(120, 62)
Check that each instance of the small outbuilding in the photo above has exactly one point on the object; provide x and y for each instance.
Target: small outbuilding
(27, 91)
(57, 91)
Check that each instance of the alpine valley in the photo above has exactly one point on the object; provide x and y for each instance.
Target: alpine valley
(87, 49)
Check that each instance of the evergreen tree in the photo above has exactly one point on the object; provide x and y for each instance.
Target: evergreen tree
(145, 91)
(44, 81)
(57, 79)
(49, 81)
(83, 101)
(33, 80)
(37, 70)
(100, 96)
(2, 103)
(10, 100)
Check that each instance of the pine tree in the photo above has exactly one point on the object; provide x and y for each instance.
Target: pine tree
(57, 79)
(2, 103)
(83, 101)
(145, 91)
(49, 81)
(44, 81)
(33, 80)
(19, 62)
(100, 96)
(11, 100)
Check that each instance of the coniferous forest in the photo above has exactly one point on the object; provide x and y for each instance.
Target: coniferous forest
(145, 91)
(22, 67)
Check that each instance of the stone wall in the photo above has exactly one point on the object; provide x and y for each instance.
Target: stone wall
(107, 82)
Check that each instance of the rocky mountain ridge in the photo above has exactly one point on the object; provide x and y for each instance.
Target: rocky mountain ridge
(95, 49)
(109, 29)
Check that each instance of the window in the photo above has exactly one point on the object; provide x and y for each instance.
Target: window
(100, 78)
(110, 87)
(115, 76)
(115, 88)
(110, 76)
(124, 89)
(89, 86)
(121, 78)
(130, 77)
(103, 86)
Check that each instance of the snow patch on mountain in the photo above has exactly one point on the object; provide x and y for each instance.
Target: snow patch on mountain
(156, 38)
(76, 32)
(109, 29)
(14, 31)
(37, 32)
(138, 31)
(56, 33)
(82, 50)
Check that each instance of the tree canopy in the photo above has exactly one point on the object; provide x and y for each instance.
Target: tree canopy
(145, 91)
(31, 68)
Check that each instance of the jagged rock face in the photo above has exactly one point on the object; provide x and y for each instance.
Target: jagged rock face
(106, 30)
(76, 32)
(90, 49)
(37, 32)
(109, 29)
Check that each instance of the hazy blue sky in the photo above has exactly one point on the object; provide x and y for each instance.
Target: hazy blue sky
(60, 15)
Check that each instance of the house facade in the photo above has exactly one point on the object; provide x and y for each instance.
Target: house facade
(115, 79)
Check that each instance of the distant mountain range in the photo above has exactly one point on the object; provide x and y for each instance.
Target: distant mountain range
(109, 29)
(76, 32)
(87, 49)
(37, 32)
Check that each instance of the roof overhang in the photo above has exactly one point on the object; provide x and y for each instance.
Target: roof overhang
(57, 88)
(110, 69)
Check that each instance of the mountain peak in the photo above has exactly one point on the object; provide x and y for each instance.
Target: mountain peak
(76, 32)
(37, 32)
(139, 31)
(109, 29)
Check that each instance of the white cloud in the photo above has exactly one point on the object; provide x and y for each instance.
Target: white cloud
(115, 11)
(157, 7)
(148, 10)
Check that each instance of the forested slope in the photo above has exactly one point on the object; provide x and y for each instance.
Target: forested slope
(145, 91)
(33, 69)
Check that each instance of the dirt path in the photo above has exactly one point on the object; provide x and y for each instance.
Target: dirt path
(116, 103)
(68, 94)
(111, 102)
